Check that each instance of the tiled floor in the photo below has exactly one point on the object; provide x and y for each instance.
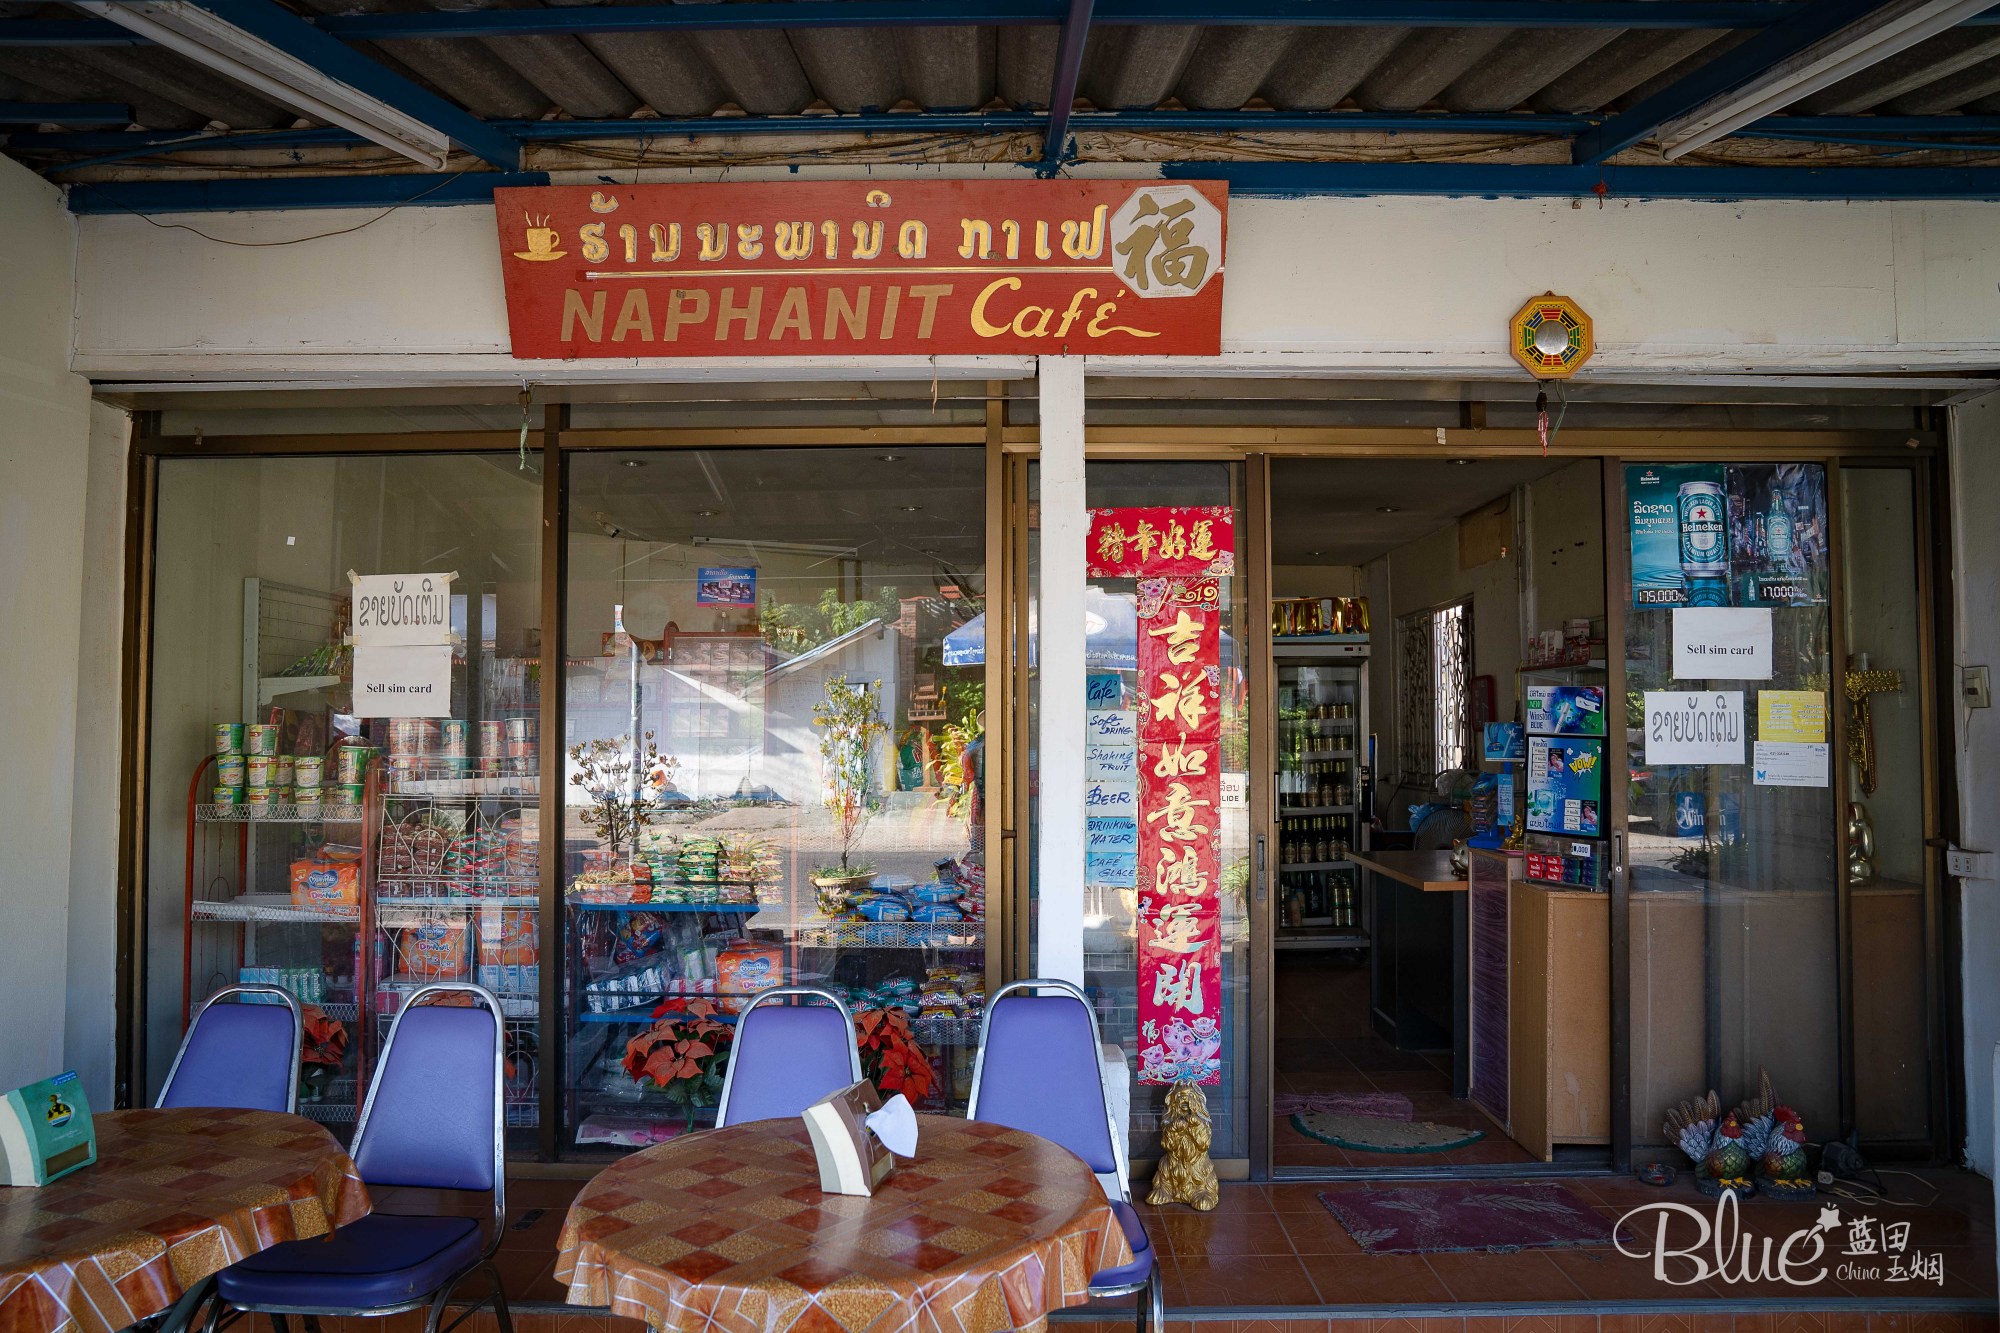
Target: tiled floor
(1325, 1044)
(1274, 1250)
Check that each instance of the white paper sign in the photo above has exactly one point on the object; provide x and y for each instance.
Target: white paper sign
(1103, 800)
(1722, 643)
(393, 610)
(1790, 764)
(403, 681)
(1110, 748)
(1235, 791)
(1694, 726)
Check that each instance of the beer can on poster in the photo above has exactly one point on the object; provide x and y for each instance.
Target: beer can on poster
(229, 770)
(261, 738)
(229, 738)
(1704, 537)
(308, 772)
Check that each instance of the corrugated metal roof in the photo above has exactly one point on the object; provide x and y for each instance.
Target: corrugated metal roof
(1586, 70)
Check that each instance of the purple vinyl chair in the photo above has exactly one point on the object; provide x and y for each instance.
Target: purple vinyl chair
(434, 1119)
(786, 1057)
(242, 1054)
(1039, 1070)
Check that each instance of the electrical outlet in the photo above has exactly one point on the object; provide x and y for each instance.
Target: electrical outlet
(1973, 688)
(1961, 864)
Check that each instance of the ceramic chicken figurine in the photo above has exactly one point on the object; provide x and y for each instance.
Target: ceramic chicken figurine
(1727, 1163)
(1784, 1161)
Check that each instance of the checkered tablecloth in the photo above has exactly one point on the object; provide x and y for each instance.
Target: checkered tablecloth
(728, 1232)
(174, 1196)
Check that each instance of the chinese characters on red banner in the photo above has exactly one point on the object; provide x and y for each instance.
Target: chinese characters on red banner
(1176, 554)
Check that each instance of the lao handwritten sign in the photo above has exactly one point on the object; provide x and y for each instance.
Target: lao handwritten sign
(858, 267)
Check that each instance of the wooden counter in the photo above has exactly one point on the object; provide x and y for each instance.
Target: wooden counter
(1429, 871)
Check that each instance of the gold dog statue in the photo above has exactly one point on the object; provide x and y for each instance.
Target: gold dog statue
(1185, 1175)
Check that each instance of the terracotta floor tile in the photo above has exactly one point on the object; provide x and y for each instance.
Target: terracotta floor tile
(1218, 1233)
(1375, 1279)
(1528, 1275)
(1239, 1279)
(1606, 1275)
(1318, 1232)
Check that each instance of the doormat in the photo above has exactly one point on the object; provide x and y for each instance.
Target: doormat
(1463, 1215)
(1375, 1133)
(1387, 1105)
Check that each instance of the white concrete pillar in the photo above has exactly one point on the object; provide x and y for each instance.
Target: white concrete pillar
(1059, 838)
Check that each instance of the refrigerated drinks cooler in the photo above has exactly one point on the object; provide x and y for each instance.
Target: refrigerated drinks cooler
(1320, 792)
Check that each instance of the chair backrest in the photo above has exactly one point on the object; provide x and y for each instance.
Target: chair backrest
(435, 1116)
(239, 1053)
(1040, 1069)
(786, 1057)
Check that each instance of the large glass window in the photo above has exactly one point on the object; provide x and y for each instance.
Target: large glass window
(1730, 832)
(1110, 941)
(774, 730)
(293, 839)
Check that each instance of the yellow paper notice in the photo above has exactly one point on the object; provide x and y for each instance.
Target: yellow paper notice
(1791, 715)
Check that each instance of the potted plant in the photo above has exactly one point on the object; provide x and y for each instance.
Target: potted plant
(890, 1056)
(624, 783)
(850, 723)
(683, 1054)
(322, 1050)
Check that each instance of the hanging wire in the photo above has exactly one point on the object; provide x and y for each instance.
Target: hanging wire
(527, 397)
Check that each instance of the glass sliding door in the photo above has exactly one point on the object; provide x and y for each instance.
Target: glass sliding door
(1889, 804)
(1730, 834)
(1110, 922)
(774, 713)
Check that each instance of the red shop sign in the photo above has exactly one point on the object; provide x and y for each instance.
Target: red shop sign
(872, 268)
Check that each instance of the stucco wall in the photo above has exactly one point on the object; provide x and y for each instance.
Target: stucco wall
(45, 455)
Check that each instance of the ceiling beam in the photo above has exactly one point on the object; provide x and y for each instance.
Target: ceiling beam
(1708, 15)
(236, 195)
(65, 113)
(1306, 179)
(1069, 69)
(139, 143)
(267, 48)
(1731, 70)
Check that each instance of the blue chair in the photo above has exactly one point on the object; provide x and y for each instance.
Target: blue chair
(786, 1057)
(433, 1120)
(242, 1054)
(1039, 1069)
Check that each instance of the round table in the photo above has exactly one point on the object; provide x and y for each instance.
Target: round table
(727, 1231)
(174, 1196)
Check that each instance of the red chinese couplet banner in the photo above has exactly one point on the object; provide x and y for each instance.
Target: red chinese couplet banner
(817, 268)
(1175, 554)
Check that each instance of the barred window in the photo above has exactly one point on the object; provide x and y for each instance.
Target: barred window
(1434, 670)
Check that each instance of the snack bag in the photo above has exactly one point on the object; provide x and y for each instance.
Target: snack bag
(508, 935)
(743, 969)
(326, 881)
(434, 951)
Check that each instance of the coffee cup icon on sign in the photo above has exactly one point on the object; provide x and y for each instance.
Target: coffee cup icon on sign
(542, 242)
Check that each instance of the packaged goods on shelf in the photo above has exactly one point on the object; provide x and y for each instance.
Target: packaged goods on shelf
(745, 968)
(432, 951)
(326, 880)
(228, 738)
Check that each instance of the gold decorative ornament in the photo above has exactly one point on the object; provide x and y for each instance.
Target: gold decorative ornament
(1860, 845)
(1859, 686)
(1551, 337)
(1185, 1175)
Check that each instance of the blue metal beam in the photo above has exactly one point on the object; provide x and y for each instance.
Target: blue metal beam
(465, 187)
(65, 113)
(1304, 179)
(1729, 70)
(140, 143)
(781, 14)
(340, 62)
(1069, 68)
